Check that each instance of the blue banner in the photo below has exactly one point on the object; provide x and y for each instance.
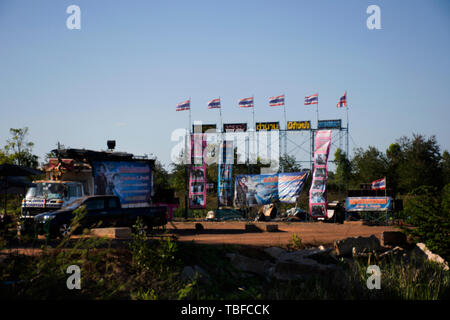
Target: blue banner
(290, 185)
(369, 204)
(131, 181)
(260, 189)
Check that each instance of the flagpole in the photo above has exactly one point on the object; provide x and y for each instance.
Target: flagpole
(348, 156)
(317, 109)
(254, 130)
(189, 126)
(285, 126)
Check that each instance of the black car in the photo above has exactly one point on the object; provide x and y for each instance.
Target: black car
(98, 212)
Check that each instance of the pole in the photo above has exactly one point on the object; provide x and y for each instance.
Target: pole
(317, 109)
(186, 177)
(285, 128)
(346, 110)
(189, 127)
(254, 132)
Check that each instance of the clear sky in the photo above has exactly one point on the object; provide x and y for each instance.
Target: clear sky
(121, 76)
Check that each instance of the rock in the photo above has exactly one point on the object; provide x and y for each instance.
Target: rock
(393, 238)
(272, 228)
(112, 233)
(275, 252)
(188, 274)
(432, 256)
(251, 265)
(250, 227)
(300, 269)
(361, 244)
(300, 255)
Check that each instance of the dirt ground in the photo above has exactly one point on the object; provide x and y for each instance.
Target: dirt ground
(233, 232)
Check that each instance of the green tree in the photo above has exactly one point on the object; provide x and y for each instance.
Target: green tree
(421, 163)
(18, 149)
(343, 173)
(289, 164)
(445, 164)
(368, 165)
(428, 212)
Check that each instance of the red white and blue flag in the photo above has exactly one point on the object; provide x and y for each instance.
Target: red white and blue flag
(276, 101)
(314, 99)
(379, 184)
(213, 104)
(246, 103)
(342, 101)
(185, 105)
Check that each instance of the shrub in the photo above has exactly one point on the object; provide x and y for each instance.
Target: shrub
(428, 212)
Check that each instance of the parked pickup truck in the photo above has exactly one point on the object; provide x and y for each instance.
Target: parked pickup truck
(99, 212)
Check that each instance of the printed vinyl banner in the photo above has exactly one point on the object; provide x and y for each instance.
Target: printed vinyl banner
(318, 192)
(224, 186)
(197, 173)
(260, 189)
(369, 204)
(131, 181)
(255, 189)
(290, 185)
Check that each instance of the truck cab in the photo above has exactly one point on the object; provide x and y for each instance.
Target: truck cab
(48, 195)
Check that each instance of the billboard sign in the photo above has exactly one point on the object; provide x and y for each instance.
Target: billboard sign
(298, 125)
(202, 128)
(369, 204)
(267, 126)
(329, 124)
(131, 181)
(234, 127)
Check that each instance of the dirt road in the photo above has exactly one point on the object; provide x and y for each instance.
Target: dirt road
(233, 232)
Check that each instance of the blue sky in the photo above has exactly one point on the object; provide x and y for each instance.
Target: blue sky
(121, 76)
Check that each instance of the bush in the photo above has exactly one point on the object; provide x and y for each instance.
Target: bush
(428, 212)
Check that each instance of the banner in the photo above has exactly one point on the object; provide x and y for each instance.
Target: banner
(260, 189)
(369, 204)
(329, 124)
(235, 127)
(131, 181)
(290, 185)
(318, 192)
(255, 189)
(267, 126)
(197, 187)
(197, 172)
(224, 186)
(298, 125)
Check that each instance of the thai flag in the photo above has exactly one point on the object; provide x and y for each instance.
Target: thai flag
(314, 99)
(379, 184)
(213, 104)
(185, 105)
(276, 101)
(246, 103)
(342, 101)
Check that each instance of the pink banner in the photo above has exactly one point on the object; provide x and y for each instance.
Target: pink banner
(197, 173)
(318, 191)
